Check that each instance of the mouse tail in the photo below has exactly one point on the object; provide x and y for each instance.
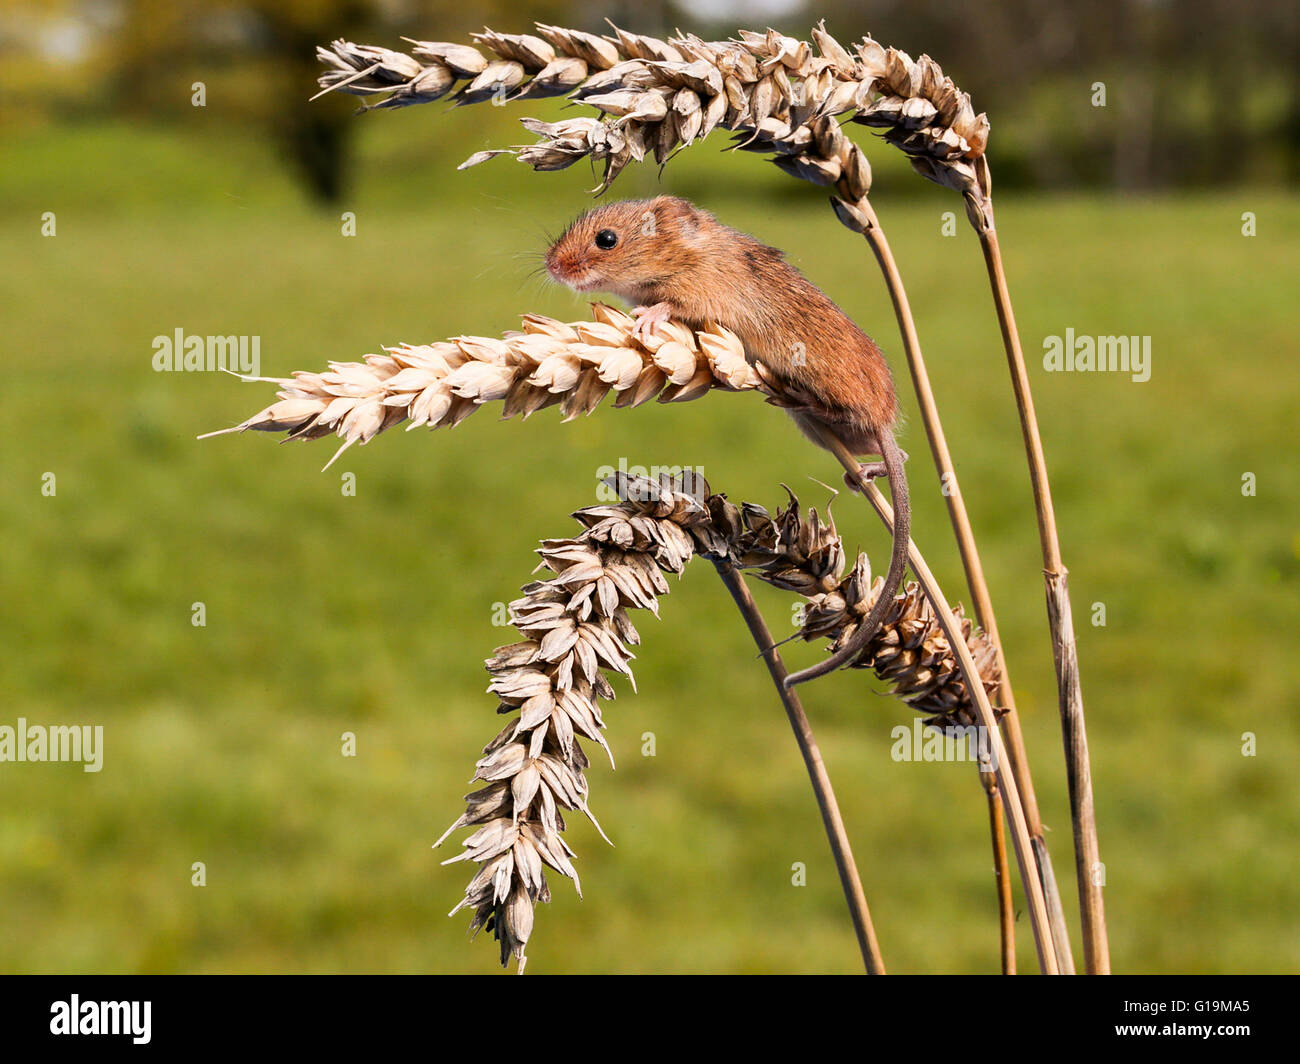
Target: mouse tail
(893, 458)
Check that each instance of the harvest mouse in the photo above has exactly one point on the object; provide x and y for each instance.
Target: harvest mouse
(675, 261)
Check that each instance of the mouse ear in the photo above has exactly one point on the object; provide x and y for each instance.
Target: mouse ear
(681, 212)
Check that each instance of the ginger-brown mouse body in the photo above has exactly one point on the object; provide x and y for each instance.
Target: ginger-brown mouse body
(673, 260)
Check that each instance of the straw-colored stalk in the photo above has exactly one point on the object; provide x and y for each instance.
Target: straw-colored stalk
(910, 651)
(1025, 855)
(655, 96)
(1001, 874)
(865, 219)
(843, 607)
(1060, 617)
(832, 820)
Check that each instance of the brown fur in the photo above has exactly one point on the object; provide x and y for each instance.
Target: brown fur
(671, 252)
(673, 255)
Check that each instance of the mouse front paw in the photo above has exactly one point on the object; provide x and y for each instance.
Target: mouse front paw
(648, 317)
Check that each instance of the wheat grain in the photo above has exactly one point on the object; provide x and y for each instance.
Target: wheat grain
(805, 555)
(654, 96)
(576, 630)
(574, 365)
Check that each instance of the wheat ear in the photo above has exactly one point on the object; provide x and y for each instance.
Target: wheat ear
(576, 629)
(573, 365)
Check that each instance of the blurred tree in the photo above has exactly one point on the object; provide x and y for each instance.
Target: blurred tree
(314, 138)
(269, 48)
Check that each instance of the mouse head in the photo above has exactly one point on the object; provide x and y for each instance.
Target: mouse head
(626, 247)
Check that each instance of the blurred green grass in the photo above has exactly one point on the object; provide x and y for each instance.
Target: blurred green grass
(371, 614)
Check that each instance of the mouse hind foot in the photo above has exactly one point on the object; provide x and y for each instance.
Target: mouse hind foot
(869, 471)
(866, 471)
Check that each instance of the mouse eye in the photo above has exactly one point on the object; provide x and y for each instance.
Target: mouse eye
(606, 239)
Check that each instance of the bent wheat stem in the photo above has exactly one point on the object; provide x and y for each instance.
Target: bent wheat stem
(1025, 856)
(981, 602)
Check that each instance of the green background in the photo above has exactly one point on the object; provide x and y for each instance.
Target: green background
(371, 614)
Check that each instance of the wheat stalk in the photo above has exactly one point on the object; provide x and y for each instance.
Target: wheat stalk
(832, 820)
(574, 365)
(1026, 855)
(981, 601)
(910, 651)
(1060, 616)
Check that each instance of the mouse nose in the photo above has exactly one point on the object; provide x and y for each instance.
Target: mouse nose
(559, 265)
(553, 263)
